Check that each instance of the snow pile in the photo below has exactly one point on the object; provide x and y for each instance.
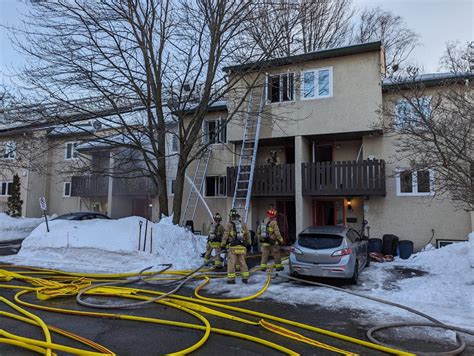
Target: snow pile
(471, 249)
(110, 246)
(16, 228)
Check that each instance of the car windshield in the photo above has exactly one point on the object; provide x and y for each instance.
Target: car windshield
(66, 217)
(319, 241)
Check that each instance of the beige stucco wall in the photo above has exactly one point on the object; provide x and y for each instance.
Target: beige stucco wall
(356, 97)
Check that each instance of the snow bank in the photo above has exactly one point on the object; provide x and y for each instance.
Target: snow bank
(16, 228)
(110, 245)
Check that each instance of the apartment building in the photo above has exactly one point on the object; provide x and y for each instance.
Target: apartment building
(320, 115)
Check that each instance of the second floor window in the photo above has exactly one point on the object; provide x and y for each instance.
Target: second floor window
(71, 152)
(316, 83)
(9, 150)
(6, 188)
(215, 131)
(174, 143)
(410, 113)
(216, 186)
(280, 87)
(414, 183)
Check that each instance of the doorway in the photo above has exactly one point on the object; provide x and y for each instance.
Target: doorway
(328, 212)
(324, 153)
(140, 207)
(287, 220)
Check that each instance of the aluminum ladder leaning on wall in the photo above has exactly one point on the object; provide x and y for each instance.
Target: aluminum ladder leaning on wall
(248, 153)
(198, 183)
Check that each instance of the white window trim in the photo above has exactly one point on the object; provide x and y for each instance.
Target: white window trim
(268, 102)
(4, 148)
(204, 135)
(170, 189)
(174, 137)
(414, 192)
(6, 191)
(407, 102)
(316, 84)
(72, 152)
(64, 189)
(215, 196)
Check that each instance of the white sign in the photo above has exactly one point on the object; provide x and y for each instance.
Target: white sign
(43, 205)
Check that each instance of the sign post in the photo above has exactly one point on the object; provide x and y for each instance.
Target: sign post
(44, 207)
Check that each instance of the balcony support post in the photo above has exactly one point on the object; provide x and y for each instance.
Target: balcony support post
(110, 188)
(303, 152)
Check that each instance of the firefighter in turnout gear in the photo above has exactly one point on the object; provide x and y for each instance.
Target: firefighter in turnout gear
(214, 240)
(236, 238)
(270, 239)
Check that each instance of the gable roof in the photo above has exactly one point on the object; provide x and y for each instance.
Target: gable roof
(301, 58)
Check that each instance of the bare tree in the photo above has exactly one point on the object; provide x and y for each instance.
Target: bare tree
(161, 57)
(399, 42)
(458, 58)
(433, 130)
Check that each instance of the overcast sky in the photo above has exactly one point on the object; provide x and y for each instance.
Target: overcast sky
(436, 21)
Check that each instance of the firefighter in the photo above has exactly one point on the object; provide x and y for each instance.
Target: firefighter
(236, 237)
(270, 240)
(214, 239)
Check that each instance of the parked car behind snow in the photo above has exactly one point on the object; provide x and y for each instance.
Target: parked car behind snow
(82, 215)
(329, 251)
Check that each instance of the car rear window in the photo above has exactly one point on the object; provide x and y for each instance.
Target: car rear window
(319, 241)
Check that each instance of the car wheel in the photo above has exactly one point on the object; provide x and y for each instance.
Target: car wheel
(367, 264)
(355, 277)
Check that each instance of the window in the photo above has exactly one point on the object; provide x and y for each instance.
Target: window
(71, 152)
(280, 87)
(172, 186)
(67, 189)
(215, 131)
(317, 83)
(9, 150)
(216, 186)
(415, 183)
(174, 143)
(410, 112)
(6, 188)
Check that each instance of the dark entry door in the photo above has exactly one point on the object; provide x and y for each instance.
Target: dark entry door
(328, 212)
(140, 207)
(287, 220)
(324, 153)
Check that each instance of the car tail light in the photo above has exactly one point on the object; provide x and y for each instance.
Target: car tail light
(343, 252)
(296, 250)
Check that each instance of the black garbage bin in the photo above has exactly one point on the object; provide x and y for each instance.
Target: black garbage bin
(389, 244)
(375, 245)
(406, 248)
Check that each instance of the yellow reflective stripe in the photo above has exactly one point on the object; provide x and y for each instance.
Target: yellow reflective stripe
(231, 275)
(298, 337)
(245, 274)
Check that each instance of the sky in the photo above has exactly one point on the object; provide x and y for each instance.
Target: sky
(436, 21)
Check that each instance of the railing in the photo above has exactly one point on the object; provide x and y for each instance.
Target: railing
(89, 186)
(356, 178)
(140, 186)
(268, 180)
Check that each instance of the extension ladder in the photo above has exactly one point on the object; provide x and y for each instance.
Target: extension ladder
(198, 180)
(248, 153)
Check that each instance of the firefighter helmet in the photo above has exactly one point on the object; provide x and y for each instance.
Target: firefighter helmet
(272, 213)
(233, 214)
(217, 217)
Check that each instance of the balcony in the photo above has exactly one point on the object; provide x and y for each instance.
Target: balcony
(140, 186)
(89, 186)
(268, 181)
(344, 178)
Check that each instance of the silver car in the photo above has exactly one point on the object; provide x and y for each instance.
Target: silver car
(329, 251)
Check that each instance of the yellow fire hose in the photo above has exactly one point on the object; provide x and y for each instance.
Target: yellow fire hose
(188, 305)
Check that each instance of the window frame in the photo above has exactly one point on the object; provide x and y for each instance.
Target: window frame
(221, 137)
(74, 145)
(217, 185)
(280, 87)
(316, 83)
(174, 141)
(172, 187)
(64, 189)
(11, 155)
(414, 183)
(7, 184)
(407, 103)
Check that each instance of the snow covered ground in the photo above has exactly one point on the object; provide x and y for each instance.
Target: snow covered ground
(16, 228)
(445, 291)
(109, 246)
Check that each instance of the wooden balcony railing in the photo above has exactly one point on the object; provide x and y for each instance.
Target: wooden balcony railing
(268, 180)
(355, 178)
(89, 186)
(140, 186)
